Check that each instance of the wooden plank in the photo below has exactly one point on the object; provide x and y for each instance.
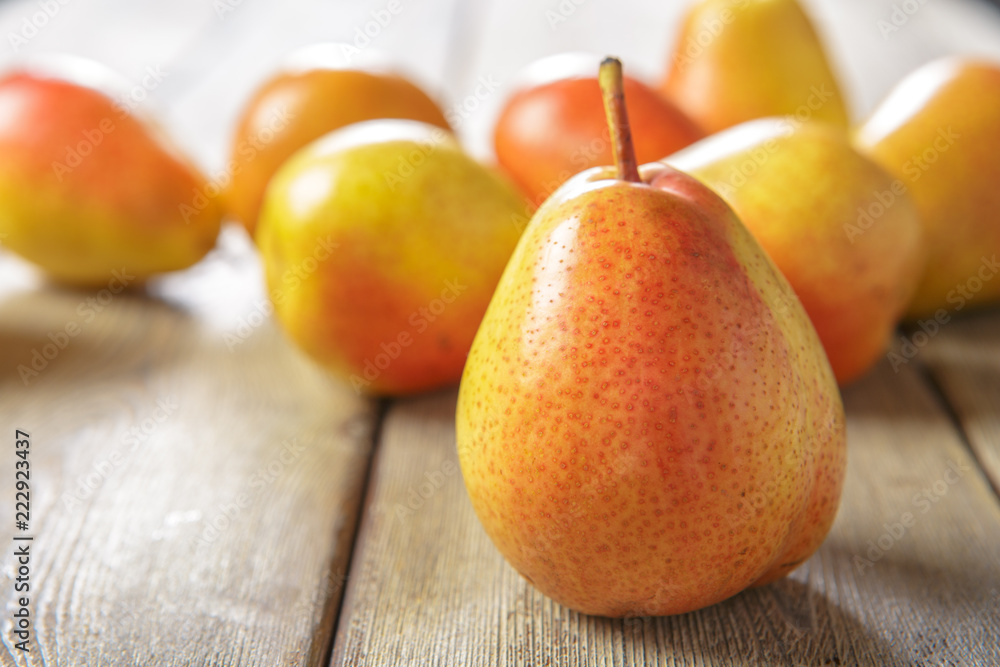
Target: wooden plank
(195, 484)
(123, 565)
(428, 587)
(964, 359)
(219, 532)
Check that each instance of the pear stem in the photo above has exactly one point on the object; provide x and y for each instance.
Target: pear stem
(609, 77)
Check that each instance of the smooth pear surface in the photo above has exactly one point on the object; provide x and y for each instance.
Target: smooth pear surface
(647, 423)
(938, 131)
(382, 244)
(737, 60)
(90, 192)
(316, 92)
(843, 231)
(554, 125)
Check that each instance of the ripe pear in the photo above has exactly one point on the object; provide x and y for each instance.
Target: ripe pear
(316, 91)
(382, 243)
(89, 191)
(553, 127)
(938, 131)
(843, 231)
(647, 423)
(736, 60)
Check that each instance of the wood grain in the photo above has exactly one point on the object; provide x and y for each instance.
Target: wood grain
(220, 533)
(196, 482)
(964, 359)
(193, 499)
(427, 586)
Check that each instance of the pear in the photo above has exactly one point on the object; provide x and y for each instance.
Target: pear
(647, 423)
(89, 191)
(316, 90)
(736, 60)
(843, 231)
(382, 243)
(938, 131)
(553, 127)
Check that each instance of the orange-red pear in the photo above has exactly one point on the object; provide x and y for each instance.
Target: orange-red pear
(647, 423)
(316, 91)
(553, 127)
(90, 190)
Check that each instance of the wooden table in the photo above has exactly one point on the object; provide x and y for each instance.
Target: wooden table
(203, 495)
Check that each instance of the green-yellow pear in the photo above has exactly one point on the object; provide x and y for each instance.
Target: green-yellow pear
(843, 231)
(938, 131)
(647, 423)
(382, 244)
(736, 60)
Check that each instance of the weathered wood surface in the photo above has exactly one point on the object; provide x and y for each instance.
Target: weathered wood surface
(190, 504)
(909, 574)
(218, 532)
(196, 483)
(964, 359)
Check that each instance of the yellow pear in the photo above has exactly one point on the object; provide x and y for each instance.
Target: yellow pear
(844, 231)
(938, 131)
(736, 60)
(382, 243)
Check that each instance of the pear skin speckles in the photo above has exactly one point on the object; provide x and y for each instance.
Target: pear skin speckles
(641, 427)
